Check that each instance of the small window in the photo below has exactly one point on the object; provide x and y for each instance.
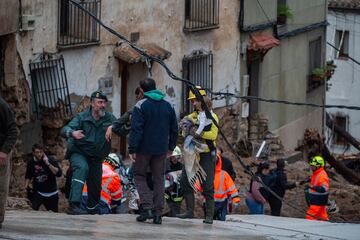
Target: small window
(197, 68)
(106, 85)
(201, 15)
(315, 62)
(342, 43)
(75, 26)
(342, 122)
(49, 87)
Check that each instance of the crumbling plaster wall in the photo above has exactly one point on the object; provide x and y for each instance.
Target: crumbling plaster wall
(344, 85)
(158, 22)
(162, 23)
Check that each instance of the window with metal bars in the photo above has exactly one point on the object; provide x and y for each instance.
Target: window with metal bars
(75, 26)
(197, 68)
(49, 87)
(201, 15)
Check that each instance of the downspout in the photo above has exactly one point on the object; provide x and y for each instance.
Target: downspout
(241, 15)
(324, 96)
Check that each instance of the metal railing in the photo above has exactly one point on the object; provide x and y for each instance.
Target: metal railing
(75, 27)
(201, 15)
(50, 87)
(197, 68)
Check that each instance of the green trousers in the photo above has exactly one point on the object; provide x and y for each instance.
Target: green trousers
(207, 162)
(89, 170)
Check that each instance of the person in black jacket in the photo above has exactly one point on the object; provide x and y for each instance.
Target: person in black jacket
(279, 184)
(153, 136)
(226, 164)
(8, 136)
(42, 170)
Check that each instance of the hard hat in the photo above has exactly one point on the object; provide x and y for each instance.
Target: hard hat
(113, 159)
(317, 161)
(201, 91)
(176, 152)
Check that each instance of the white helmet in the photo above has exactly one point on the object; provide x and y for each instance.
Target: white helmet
(176, 152)
(113, 159)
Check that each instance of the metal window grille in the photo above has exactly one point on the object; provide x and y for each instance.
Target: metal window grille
(197, 68)
(76, 27)
(50, 88)
(314, 62)
(201, 14)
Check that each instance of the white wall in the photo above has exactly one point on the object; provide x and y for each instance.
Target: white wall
(345, 83)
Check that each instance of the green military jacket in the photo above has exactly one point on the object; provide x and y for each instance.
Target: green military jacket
(94, 144)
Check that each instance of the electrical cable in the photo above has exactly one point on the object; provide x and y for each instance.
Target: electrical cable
(199, 97)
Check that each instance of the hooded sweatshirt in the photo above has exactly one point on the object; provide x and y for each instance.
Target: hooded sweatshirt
(154, 128)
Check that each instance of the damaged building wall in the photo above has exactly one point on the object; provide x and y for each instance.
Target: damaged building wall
(283, 73)
(163, 26)
(287, 79)
(344, 85)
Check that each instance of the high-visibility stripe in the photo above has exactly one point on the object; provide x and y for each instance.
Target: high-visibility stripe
(117, 192)
(236, 194)
(78, 180)
(222, 176)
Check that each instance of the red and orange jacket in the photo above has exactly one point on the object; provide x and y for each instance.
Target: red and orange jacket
(111, 187)
(319, 187)
(224, 186)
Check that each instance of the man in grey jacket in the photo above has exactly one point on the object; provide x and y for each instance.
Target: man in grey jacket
(8, 135)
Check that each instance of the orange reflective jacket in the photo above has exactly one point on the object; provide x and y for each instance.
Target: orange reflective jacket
(111, 187)
(224, 186)
(318, 199)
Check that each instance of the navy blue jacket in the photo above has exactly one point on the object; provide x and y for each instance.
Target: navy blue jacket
(154, 128)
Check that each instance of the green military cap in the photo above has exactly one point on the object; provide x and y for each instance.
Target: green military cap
(98, 94)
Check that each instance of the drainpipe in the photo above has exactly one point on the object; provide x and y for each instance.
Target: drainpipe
(324, 96)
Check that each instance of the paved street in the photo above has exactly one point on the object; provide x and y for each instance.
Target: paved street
(44, 225)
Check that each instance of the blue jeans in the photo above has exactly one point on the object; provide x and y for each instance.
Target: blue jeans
(254, 207)
(220, 210)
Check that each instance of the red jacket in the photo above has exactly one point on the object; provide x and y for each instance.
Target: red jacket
(111, 187)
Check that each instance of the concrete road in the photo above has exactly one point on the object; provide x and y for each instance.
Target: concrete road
(30, 225)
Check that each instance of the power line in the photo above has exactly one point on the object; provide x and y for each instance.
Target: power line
(224, 95)
(198, 96)
(352, 59)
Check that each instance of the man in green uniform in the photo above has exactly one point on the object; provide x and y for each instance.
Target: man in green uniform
(89, 142)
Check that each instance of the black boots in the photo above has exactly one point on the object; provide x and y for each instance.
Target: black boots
(209, 211)
(190, 206)
(157, 219)
(144, 215)
(75, 209)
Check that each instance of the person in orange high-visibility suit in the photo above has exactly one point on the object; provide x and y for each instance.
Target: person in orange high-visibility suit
(318, 192)
(224, 189)
(111, 192)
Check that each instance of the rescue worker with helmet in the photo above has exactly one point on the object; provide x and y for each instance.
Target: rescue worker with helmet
(173, 191)
(318, 191)
(207, 162)
(224, 189)
(111, 190)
